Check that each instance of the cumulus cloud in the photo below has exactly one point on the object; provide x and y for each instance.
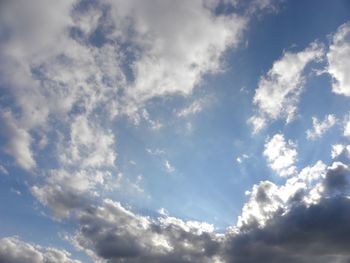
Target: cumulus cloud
(67, 71)
(14, 250)
(178, 51)
(281, 155)
(266, 199)
(278, 92)
(115, 234)
(64, 83)
(316, 233)
(338, 60)
(320, 127)
(300, 220)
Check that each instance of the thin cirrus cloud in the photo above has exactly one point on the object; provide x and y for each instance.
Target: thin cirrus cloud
(79, 78)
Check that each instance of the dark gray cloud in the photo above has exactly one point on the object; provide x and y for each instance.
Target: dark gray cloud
(118, 235)
(337, 177)
(318, 233)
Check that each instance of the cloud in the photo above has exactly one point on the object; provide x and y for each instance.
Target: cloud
(338, 60)
(13, 250)
(168, 167)
(63, 191)
(177, 52)
(154, 124)
(3, 170)
(64, 85)
(241, 158)
(89, 146)
(300, 220)
(195, 107)
(340, 149)
(266, 199)
(69, 70)
(281, 155)
(18, 143)
(113, 233)
(320, 127)
(256, 7)
(316, 233)
(347, 126)
(278, 92)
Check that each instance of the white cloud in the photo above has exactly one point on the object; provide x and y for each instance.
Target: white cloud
(89, 146)
(320, 127)
(155, 151)
(64, 190)
(339, 149)
(347, 126)
(176, 53)
(195, 107)
(154, 124)
(56, 78)
(281, 155)
(278, 92)
(339, 60)
(168, 167)
(18, 143)
(241, 158)
(13, 250)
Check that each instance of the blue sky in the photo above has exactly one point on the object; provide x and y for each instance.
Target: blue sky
(173, 131)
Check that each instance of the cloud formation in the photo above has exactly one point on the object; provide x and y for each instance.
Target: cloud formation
(338, 58)
(320, 127)
(13, 250)
(69, 69)
(278, 92)
(281, 155)
(304, 219)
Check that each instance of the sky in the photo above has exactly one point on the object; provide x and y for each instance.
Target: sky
(174, 131)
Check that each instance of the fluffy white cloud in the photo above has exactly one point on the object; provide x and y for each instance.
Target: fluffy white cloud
(320, 127)
(281, 155)
(176, 53)
(278, 92)
(13, 250)
(59, 76)
(18, 141)
(339, 60)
